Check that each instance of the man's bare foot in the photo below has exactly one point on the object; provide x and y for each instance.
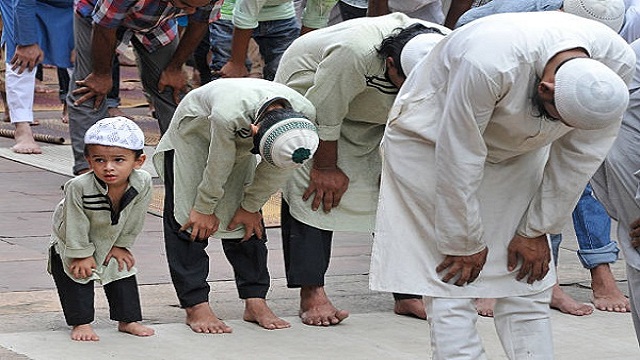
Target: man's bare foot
(84, 332)
(484, 306)
(116, 111)
(201, 319)
(316, 309)
(256, 310)
(135, 328)
(561, 301)
(65, 113)
(410, 307)
(606, 294)
(25, 144)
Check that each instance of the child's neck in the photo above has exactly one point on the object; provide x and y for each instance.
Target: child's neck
(115, 194)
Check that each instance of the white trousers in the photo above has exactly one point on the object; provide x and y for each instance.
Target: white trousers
(523, 325)
(20, 93)
(633, 278)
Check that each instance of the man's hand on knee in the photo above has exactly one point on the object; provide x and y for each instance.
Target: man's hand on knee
(535, 256)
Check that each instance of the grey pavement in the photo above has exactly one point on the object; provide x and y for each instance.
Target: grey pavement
(32, 325)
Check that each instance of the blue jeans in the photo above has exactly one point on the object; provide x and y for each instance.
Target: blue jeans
(273, 38)
(593, 230)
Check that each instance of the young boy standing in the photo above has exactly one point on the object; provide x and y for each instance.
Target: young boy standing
(94, 228)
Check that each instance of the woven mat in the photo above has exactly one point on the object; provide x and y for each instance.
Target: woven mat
(54, 131)
(270, 211)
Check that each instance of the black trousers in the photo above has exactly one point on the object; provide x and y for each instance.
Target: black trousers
(189, 262)
(307, 252)
(77, 299)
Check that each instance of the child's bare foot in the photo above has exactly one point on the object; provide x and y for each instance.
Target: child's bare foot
(25, 144)
(256, 310)
(84, 332)
(410, 307)
(484, 306)
(606, 294)
(561, 301)
(316, 309)
(135, 328)
(201, 319)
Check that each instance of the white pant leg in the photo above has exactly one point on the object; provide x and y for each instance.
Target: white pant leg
(453, 329)
(633, 278)
(523, 325)
(20, 89)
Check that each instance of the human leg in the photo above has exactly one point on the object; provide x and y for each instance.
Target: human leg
(151, 66)
(273, 38)
(63, 88)
(19, 88)
(307, 252)
(249, 261)
(633, 277)
(451, 318)
(188, 265)
(560, 300)
(524, 326)
(76, 300)
(82, 116)
(410, 305)
(596, 251)
(124, 306)
(200, 57)
(113, 97)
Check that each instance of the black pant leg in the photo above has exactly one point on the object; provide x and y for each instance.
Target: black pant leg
(124, 300)
(307, 251)
(249, 262)
(188, 260)
(76, 298)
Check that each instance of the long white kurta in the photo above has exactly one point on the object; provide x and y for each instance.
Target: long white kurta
(467, 164)
(339, 71)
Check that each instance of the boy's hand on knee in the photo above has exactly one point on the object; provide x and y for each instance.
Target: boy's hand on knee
(252, 223)
(123, 256)
(202, 225)
(82, 267)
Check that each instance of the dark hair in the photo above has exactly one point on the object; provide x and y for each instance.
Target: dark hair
(136, 153)
(269, 119)
(392, 45)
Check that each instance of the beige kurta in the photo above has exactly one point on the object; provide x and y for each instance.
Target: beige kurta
(210, 135)
(339, 71)
(467, 164)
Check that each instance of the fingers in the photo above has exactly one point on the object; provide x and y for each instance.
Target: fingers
(307, 193)
(317, 199)
(327, 201)
(512, 260)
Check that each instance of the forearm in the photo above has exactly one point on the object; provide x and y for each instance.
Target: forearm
(240, 44)
(192, 36)
(378, 7)
(458, 7)
(326, 157)
(103, 48)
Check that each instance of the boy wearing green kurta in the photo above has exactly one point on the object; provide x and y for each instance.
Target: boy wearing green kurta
(213, 187)
(95, 226)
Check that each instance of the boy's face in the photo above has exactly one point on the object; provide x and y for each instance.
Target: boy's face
(113, 164)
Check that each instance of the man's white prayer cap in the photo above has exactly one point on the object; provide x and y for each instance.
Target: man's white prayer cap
(416, 49)
(589, 95)
(115, 131)
(608, 12)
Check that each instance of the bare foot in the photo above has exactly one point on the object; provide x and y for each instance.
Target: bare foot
(115, 111)
(25, 144)
(411, 307)
(65, 113)
(485, 306)
(135, 328)
(84, 332)
(201, 319)
(561, 301)
(256, 310)
(316, 309)
(606, 294)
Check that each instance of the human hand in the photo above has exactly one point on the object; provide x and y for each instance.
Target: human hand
(328, 185)
(122, 255)
(466, 268)
(176, 79)
(252, 223)
(232, 70)
(82, 267)
(26, 57)
(202, 225)
(93, 86)
(634, 233)
(535, 255)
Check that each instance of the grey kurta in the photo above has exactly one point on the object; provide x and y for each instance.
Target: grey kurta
(467, 164)
(210, 134)
(85, 225)
(339, 71)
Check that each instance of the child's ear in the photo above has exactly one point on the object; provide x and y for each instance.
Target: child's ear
(140, 161)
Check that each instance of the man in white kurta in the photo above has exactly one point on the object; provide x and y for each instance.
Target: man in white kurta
(616, 186)
(482, 153)
(341, 72)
